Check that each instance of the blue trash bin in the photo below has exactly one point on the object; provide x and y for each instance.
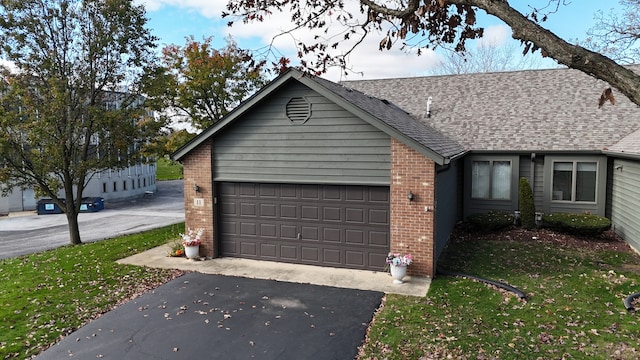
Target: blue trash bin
(91, 204)
(48, 206)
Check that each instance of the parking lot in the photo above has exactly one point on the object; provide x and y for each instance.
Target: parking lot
(27, 233)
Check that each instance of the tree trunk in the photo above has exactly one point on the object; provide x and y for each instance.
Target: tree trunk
(74, 228)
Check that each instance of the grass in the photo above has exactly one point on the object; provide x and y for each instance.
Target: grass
(574, 307)
(48, 295)
(168, 170)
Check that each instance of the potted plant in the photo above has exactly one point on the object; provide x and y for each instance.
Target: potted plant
(398, 266)
(191, 242)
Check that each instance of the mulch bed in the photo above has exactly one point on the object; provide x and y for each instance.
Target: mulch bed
(609, 240)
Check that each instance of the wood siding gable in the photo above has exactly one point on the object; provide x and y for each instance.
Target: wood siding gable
(332, 147)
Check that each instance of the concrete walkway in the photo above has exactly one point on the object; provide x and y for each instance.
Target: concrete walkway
(267, 270)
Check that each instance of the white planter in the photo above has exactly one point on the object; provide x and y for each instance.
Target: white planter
(192, 252)
(398, 272)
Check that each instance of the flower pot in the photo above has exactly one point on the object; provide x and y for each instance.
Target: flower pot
(192, 252)
(397, 273)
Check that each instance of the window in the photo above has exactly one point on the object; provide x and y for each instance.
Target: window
(491, 179)
(574, 181)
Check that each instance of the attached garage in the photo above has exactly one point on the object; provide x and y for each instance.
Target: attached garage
(326, 225)
(309, 172)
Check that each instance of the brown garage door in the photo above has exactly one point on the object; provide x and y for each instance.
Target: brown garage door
(326, 225)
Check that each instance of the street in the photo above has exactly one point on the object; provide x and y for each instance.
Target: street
(31, 233)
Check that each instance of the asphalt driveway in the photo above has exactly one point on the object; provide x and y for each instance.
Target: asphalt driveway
(224, 317)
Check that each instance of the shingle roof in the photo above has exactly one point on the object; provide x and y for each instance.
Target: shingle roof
(535, 110)
(630, 144)
(397, 118)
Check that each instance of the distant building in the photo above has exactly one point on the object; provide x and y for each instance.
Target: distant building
(133, 181)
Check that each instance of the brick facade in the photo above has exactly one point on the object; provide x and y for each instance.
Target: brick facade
(198, 171)
(411, 230)
(412, 227)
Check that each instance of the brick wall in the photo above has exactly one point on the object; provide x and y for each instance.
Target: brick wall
(198, 171)
(412, 228)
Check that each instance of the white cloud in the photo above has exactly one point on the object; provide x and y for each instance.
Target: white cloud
(366, 58)
(495, 36)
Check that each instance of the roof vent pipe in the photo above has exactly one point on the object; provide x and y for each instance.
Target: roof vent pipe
(429, 99)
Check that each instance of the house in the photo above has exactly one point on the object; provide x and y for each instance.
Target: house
(313, 172)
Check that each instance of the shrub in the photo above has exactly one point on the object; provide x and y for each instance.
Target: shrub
(577, 224)
(491, 221)
(527, 205)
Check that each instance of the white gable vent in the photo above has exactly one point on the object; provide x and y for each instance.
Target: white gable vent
(298, 110)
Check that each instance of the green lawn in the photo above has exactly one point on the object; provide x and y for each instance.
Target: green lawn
(168, 170)
(46, 296)
(574, 308)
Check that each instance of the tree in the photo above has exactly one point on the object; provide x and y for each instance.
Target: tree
(72, 106)
(202, 84)
(440, 22)
(486, 57)
(617, 34)
(527, 205)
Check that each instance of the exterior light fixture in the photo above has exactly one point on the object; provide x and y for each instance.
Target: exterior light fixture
(196, 188)
(410, 196)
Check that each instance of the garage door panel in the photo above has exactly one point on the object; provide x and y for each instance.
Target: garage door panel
(228, 208)
(309, 233)
(269, 230)
(310, 254)
(288, 211)
(248, 229)
(288, 252)
(354, 258)
(332, 193)
(354, 237)
(354, 215)
(246, 189)
(378, 238)
(268, 210)
(269, 251)
(268, 190)
(310, 213)
(355, 194)
(288, 231)
(248, 209)
(248, 249)
(378, 217)
(378, 195)
(331, 213)
(310, 224)
(331, 235)
(228, 228)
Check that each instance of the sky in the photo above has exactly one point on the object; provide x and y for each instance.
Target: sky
(173, 20)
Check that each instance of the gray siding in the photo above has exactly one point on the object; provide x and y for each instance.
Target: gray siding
(331, 147)
(446, 204)
(538, 183)
(625, 197)
(537, 179)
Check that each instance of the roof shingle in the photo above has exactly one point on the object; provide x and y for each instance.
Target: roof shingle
(534, 110)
